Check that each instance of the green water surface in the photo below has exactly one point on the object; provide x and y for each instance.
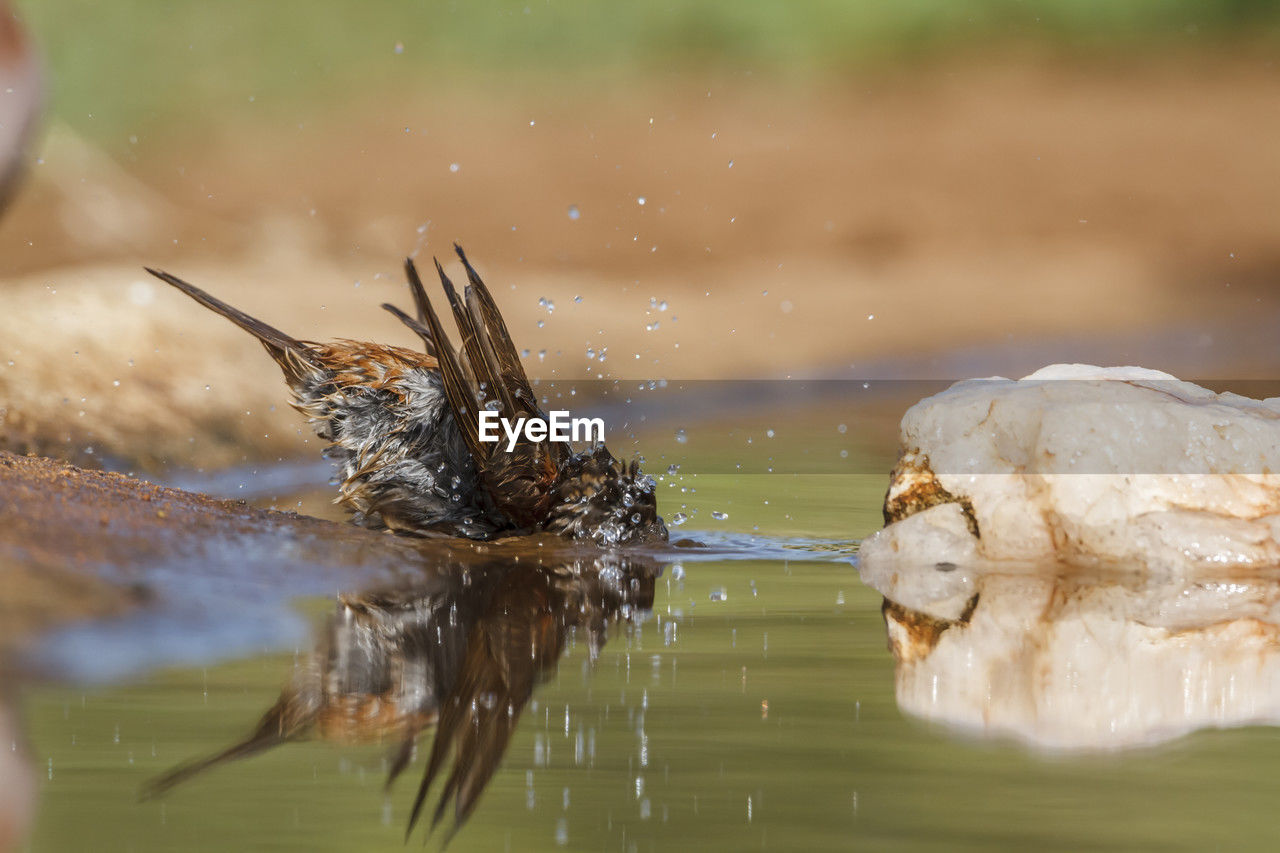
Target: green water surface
(753, 709)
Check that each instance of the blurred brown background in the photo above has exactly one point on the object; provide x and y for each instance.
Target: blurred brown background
(733, 189)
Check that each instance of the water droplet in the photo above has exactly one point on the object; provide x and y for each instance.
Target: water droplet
(681, 437)
(542, 355)
(574, 212)
(719, 594)
(769, 433)
(640, 201)
(453, 167)
(577, 299)
(399, 48)
(673, 469)
(677, 570)
(842, 428)
(678, 519)
(718, 515)
(591, 354)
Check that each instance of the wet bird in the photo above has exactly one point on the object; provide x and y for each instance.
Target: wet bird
(403, 428)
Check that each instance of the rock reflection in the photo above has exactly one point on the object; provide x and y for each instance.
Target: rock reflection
(462, 653)
(1081, 660)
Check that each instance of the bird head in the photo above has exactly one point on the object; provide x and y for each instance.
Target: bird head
(605, 500)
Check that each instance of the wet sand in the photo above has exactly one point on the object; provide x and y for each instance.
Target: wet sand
(77, 544)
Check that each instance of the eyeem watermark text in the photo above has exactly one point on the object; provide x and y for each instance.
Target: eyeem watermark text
(561, 426)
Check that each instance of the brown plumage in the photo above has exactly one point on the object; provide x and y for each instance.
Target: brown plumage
(404, 429)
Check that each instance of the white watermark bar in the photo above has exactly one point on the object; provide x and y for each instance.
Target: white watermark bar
(560, 425)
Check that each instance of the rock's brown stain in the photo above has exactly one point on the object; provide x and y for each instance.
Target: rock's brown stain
(913, 488)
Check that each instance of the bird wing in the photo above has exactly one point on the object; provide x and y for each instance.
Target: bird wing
(519, 480)
(510, 649)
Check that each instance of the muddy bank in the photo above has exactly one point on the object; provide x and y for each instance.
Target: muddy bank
(81, 545)
(77, 543)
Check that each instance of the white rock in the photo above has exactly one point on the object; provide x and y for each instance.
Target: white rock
(912, 550)
(1090, 465)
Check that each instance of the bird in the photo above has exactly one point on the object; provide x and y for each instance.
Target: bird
(461, 651)
(403, 429)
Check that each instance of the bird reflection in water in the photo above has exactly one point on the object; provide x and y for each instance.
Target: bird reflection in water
(463, 653)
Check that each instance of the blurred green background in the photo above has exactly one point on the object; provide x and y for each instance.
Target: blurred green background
(141, 65)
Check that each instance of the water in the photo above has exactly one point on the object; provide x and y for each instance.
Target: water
(808, 733)
(750, 706)
(683, 718)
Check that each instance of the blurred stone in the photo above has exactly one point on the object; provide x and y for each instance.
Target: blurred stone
(20, 97)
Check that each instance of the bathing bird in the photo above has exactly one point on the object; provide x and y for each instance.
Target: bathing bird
(403, 428)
